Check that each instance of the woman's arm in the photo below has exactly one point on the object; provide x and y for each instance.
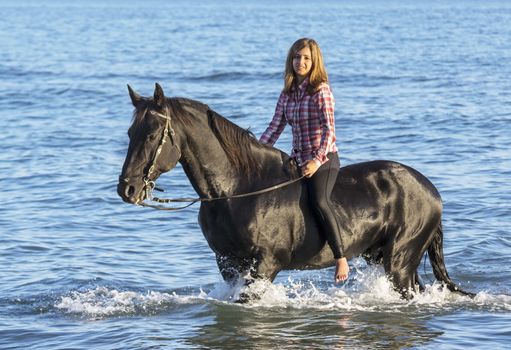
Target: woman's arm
(277, 125)
(326, 104)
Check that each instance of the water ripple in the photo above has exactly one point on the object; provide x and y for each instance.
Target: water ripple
(424, 84)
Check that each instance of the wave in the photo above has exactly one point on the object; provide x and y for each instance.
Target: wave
(377, 80)
(232, 76)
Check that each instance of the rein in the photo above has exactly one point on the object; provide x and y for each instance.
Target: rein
(150, 185)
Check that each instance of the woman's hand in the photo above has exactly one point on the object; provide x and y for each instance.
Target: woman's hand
(310, 167)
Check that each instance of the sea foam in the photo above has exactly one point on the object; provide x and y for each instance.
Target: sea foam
(368, 290)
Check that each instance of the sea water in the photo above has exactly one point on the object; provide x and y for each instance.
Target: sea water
(426, 84)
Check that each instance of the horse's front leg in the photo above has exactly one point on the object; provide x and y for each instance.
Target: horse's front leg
(249, 269)
(233, 268)
(263, 268)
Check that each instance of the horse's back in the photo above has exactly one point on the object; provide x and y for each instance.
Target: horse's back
(380, 178)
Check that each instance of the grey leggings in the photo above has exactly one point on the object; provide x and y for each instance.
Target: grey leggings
(320, 187)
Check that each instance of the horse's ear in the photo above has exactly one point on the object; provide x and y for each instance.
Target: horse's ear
(159, 97)
(135, 98)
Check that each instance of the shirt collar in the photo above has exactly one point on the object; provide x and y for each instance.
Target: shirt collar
(300, 90)
(303, 86)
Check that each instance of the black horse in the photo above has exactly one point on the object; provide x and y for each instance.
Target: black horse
(390, 213)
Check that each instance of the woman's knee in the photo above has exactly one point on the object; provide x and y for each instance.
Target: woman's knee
(323, 205)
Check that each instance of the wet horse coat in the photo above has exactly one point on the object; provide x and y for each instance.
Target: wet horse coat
(389, 212)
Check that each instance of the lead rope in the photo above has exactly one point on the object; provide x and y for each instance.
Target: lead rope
(150, 185)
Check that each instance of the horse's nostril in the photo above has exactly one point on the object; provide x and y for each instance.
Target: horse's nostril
(130, 191)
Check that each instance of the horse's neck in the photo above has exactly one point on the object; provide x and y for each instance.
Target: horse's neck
(206, 169)
(277, 167)
(212, 175)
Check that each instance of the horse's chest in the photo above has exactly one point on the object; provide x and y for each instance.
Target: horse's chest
(225, 231)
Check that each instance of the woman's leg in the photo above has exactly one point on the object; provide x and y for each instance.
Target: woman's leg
(320, 187)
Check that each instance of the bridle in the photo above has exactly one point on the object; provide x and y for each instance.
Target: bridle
(168, 132)
(149, 184)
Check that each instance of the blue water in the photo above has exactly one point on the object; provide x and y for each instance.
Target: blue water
(425, 84)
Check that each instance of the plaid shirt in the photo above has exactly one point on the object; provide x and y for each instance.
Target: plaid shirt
(312, 122)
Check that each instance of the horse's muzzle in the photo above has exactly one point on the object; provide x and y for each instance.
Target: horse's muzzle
(131, 191)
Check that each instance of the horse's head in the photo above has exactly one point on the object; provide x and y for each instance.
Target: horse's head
(153, 148)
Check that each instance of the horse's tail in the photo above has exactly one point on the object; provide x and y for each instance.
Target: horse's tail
(436, 256)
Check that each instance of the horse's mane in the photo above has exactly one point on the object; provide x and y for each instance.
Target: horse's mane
(236, 143)
(175, 106)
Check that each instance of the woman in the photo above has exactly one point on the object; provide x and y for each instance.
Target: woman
(307, 104)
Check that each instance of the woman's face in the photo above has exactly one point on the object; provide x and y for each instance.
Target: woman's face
(302, 62)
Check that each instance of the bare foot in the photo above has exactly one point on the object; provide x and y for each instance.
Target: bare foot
(341, 270)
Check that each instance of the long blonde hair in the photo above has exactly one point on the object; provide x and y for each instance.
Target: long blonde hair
(317, 75)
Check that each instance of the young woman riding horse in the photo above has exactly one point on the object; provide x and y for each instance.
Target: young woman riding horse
(307, 104)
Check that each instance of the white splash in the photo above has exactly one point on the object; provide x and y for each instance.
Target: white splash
(103, 301)
(368, 290)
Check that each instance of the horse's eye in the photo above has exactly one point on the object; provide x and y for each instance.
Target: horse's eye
(152, 137)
